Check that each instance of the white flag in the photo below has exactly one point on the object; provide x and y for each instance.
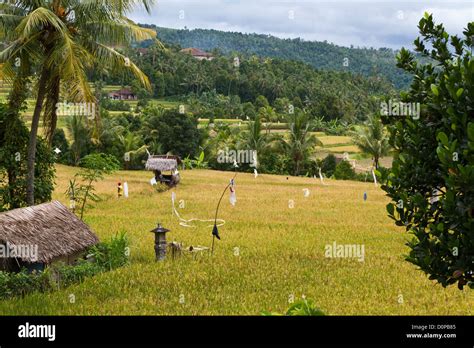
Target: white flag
(375, 177)
(321, 176)
(233, 198)
(153, 181)
(125, 189)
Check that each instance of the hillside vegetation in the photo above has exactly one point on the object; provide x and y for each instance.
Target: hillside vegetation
(237, 88)
(321, 55)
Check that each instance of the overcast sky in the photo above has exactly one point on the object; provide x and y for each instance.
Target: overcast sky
(374, 23)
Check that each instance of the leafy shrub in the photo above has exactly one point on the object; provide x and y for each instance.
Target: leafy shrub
(60, 142)
(23, 283)
(274, 163)
(95, 166)
(67, 275)
(114, 105)
(329, 165)
(335, 127)
(101, 162)
(382, 173)
(113, 254)
(197, 163)
(344, 171)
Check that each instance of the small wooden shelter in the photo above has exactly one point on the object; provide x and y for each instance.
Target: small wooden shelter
(164, 163)
(55, 232)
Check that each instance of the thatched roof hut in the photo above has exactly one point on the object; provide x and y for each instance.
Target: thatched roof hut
(162, 163)
(57, 232)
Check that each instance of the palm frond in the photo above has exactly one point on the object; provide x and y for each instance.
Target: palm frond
(117, 61)
(38, 20)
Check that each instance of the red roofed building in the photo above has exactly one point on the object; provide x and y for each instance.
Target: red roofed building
(197, 53)
(123, 94)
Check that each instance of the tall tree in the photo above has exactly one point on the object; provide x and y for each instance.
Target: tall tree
(432, 178)
(66, 38)
(254, 139)
(299, 143)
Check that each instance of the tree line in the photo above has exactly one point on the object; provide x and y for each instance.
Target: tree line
(243, 79)
(369, 62)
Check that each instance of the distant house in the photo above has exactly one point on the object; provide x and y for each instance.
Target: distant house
(123, 94)
(197, 53)
(142, 51)
(37, 236)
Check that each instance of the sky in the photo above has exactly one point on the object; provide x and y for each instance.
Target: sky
(362, 23)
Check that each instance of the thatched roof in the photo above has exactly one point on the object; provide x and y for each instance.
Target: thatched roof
(162, 163)
(51, 226)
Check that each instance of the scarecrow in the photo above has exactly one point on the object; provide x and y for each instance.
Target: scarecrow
(119, 190)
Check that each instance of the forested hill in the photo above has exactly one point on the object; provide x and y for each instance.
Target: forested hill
(321, 55)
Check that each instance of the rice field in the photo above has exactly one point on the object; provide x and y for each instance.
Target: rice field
(329, 140)
(272, 248)
(342, 149)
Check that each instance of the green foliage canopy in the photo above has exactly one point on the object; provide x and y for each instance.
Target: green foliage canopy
(432, 179)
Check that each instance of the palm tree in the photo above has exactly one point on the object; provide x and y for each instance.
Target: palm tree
(80, 136)
(131, 144)
(299, 143)
(64, 38)
(254, 139)
(372, 139)
(268, 114)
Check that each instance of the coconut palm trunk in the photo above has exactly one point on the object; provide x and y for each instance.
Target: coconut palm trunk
(31, 157)
(376, 162)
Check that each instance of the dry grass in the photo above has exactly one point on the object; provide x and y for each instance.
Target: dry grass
(335, 140)
(281, 252)
(342, 149)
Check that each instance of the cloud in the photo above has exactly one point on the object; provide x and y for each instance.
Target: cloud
(375, 23)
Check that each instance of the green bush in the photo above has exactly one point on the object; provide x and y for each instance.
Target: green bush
(60, 142)
(23, 283)
(67, 275)
(344, 171)
(114, 105)
(102, 162)
(113, 254)
(329, 165)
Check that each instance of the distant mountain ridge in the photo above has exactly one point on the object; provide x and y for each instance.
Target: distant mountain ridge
(320, 55)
